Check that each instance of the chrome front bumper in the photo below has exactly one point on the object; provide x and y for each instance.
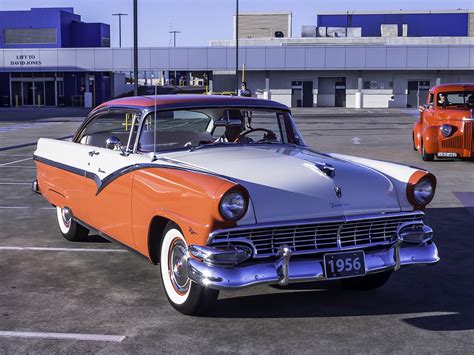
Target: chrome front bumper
(283, 270)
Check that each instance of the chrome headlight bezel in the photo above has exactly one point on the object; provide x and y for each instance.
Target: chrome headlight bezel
(423, 191)
(446, 130)
(233, 204)
(421, 188)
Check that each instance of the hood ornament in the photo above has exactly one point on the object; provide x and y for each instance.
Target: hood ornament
(338, 192)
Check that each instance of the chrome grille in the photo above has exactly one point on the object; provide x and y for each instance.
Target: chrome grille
(314, 237)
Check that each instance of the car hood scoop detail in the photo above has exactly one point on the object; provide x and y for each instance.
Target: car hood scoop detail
(288, 183)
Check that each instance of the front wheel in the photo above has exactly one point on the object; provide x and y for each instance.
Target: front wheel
(69, 228)
(184, 295)
(424, 155)
(414, 145)
(368, 282)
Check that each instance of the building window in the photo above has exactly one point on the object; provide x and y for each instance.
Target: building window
(372, 84)
(105, 42)
(30, 36)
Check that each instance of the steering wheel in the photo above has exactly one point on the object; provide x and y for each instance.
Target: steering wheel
(270, 135)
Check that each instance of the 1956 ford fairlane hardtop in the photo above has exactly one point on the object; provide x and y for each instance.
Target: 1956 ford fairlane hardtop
(223, 193)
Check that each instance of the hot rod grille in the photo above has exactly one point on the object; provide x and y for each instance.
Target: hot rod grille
(468, 135)
(452, 142)
(311, 238)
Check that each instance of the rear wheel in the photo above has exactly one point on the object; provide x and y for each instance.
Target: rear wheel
(413, 140)
(184, 295)
(424, 155)
(366, 283)
(69, 228)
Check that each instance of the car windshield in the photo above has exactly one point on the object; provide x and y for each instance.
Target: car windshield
(196, 128)
(454, 99)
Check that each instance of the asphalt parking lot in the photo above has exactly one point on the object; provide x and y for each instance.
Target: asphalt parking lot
(58, 296)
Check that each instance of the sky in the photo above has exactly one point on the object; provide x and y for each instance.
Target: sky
(203, 20)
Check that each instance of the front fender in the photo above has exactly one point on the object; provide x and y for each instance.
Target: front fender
(430, 139)
(417, 127)
(185, 197)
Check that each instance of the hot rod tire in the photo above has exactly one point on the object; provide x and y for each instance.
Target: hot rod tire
(366, 283)
(184, 295)
(424, 155)
(69, 228)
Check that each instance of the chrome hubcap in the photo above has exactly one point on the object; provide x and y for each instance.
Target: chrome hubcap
(66, 216)
(177, 265)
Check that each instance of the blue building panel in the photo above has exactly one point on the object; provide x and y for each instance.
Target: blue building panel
(68, 29)
(419, 25)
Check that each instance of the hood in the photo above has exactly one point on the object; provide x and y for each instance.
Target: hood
(285, 183)
(459, 114)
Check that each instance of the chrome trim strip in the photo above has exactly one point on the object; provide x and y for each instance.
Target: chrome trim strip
(61, 166)
(103, 183)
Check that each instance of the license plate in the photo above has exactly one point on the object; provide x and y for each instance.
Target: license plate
(340, 265)
(447, 155)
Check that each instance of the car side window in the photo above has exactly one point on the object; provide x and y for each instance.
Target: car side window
(120, 124)
(431, 100)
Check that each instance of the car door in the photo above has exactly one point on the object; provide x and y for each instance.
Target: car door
(108, 185)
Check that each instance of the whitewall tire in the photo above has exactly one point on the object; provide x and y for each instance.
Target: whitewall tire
(184, 295)
(69, 228)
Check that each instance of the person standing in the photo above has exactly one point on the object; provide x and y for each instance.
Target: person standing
(244, 90)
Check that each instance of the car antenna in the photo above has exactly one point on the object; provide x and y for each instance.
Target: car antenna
(154, 124)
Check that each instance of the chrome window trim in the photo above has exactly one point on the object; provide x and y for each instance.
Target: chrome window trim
(148, 110)
(104, 110)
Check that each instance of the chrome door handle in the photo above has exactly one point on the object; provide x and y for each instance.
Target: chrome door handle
(93, 152)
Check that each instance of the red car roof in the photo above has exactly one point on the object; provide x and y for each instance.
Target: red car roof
(453, 87)
(188, 101)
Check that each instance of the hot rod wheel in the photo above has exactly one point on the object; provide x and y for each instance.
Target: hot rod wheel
(70, 229)
(184, 295)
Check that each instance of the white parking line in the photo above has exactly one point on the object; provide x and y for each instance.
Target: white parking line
(16, 161)
(15, 183)
(72, 336)
(17, 166)
(64, 249)
(25, 207)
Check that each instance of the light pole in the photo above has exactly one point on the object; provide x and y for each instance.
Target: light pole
(237, 46)
(135, 47)
(120, 26)
(174, 32)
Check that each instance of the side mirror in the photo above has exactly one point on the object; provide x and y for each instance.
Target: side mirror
(114, 143)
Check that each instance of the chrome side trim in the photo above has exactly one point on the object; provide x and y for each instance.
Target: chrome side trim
(103, 183)
(61, 166)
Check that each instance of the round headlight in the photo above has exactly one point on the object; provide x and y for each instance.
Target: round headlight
(233, 205)
(423, 191)
(446, 130)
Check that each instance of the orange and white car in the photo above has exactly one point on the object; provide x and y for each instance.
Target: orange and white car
(446, 125)
(223, 193)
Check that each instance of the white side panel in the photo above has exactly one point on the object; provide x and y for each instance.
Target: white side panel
(64, 152)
